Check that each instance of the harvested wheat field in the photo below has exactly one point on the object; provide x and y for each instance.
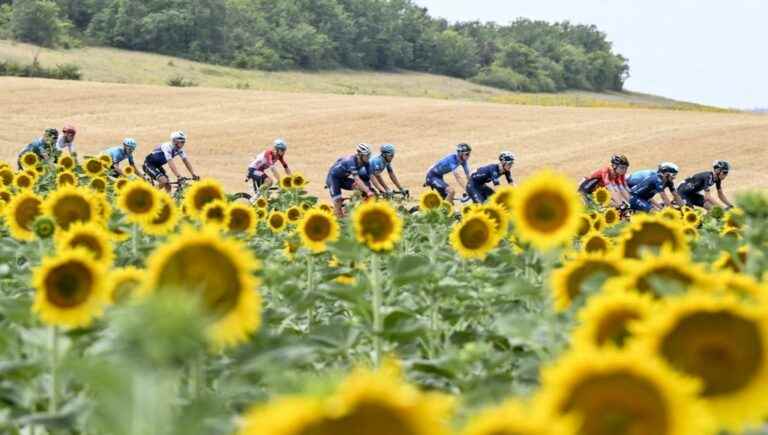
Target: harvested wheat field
(226, 128)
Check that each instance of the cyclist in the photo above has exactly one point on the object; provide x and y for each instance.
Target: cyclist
(611, 177)
(345, 175)
(41, 146)
(257, 170)
(164, 154)
(122, 152)
(638, 176)
(449, 163)
(66, 142)
(478, 188)
(641, 195)
(691, 189)
(377, 166)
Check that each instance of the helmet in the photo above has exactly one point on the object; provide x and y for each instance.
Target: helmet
(280, 145)
(130, 143)
(363, 149)
(178, 135)
(463, 148)
(619, 160)
(507, 157)
(388, 149)
(68, 129)
(668, 168)
(52, 132)
(721, 165)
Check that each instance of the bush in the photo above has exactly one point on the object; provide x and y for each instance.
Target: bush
(61, 72)
(500, 77)
(180, 82)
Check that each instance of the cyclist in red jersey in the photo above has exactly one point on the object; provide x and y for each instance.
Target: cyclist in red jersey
(611, 177)
(257, 170)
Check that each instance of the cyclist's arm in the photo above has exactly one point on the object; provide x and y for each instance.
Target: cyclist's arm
(274, 173)
(189, 167)
(173, 169)
(723, 198)
(116, 168)
(394, 179)
(285, 165)
(362, 186)
(462, 183)
(378, 182)
(665, 198)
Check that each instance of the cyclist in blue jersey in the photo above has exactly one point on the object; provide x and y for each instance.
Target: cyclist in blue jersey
(638, 176)
(345, 174)
(42, 146)
(449, 164)
(377, 165)
(478, 188)
(123, 152)
(641, 195)
(164, 154)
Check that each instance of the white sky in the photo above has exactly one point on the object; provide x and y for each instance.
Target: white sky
(706, 51)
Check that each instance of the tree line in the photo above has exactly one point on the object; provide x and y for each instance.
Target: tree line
(525, 55)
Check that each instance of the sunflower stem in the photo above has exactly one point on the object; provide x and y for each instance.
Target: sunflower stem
(53, 353)
(198, 376)
(310, 285)
(376, 308)
(41, 249)
(135, 241)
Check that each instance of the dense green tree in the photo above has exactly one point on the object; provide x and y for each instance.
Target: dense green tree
(37, 21)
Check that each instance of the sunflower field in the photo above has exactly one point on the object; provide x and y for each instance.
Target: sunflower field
(125, 310)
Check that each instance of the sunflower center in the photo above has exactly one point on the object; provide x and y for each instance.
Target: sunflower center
(239, 220)
(68, 285)
(590, 272)
(474, 234)
(651, 236)
(26, 212)
(432, 200)
(276, 221)
(93, 166)
(215, 214)
(596, 244)
(140, 201)
(88, 242)
(664, 280)
(66, 178)
(204, 195)
(318, 228)
(293, 214)
(721, 348)
(618, 404)
(613, 328)
(24, 181)
(377, 225)
(370, 418)
(164, 216)
(547, 212)
(584, 225)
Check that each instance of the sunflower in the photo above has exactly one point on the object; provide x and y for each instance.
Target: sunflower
(70, 204)
(21, 213)
(305, 206)
(671, 214)
(277, 221)
(29, 160)
(469, 208)
(601, 196)
(23, 181)
(65, 178)
(691, 233)
(595, 242)
(261, 202)
(377, 225)
(6, 176)
(215, 213)
(743, 286)
(724, 344)
(666, 274)
(294, 415)
(139, 201)
(513, 418)
(429, 200)
(286, 182)
(730, 232)
(124, 283)
(129, 171)
(120, 183)
(475, 236)
(261, 213)
(503, 197)
(611, 217)
(325, 207)
(498, 215)
(728, 261)
(606, 318)
(290, 248)
(298, 181)
(611, 392)
(584, 274)
(293, 214)
(598, 222)
(69, 289)
(118, 234)
(241, 218)
(201, 193)
(692, 219)
(93, 167)
(648, 233)
(219, 272)
(316, 229)
(106, 160)
(734, 218)
(98, 184)
(165, 221)
(90, 236)
(67, 162)
(5, 195)
(546, 210)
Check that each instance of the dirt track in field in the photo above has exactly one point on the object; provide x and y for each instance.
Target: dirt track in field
(226, 128)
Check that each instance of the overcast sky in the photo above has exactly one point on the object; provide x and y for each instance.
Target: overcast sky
(705, 51)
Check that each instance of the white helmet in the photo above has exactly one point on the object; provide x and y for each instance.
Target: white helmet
(178, 135)
(364, 149)
(668, 167)
(280, 145)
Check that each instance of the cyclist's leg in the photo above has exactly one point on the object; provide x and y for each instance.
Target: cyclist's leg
(586, 188)
(639, 204)
(158, 174)
(486, 192)
(475, 193)
(334, 189)
(439, 185)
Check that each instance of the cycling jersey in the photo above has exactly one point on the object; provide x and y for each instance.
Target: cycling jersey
(489, 174)
(62, 145)
(607, 177)
(377, 165)
(160, 156)
(266, 160)
(648, 187)
(342, 175)
(638, 176)
(702, 181)
(38, 146)
(118, 154)
(448, 164)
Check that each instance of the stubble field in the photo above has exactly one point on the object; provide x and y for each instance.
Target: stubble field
(226, 128)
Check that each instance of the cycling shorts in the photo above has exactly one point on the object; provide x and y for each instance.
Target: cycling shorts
(438, 183)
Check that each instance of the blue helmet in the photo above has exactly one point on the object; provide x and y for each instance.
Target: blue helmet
(130, 143)
(280, 145)
(388, 149)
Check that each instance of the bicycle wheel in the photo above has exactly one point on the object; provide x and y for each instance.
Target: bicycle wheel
(242, 196)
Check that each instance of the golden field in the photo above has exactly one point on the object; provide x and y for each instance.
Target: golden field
(227, 127)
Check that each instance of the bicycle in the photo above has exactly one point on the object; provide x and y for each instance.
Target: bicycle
(251, 197)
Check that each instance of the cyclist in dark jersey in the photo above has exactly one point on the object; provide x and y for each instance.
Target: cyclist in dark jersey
(612, 178)
(163, 155)
(638, 176)
(449, 164)
(345, 174)
(695, 189)
(478, 188)
(641, 195)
